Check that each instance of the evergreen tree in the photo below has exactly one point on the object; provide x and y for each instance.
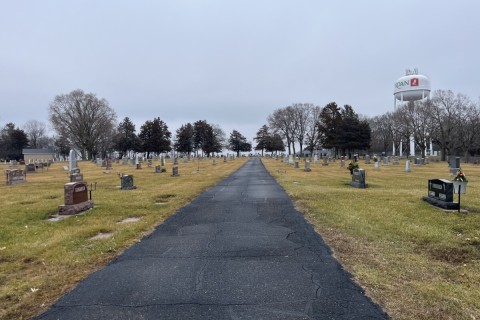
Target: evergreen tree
(185, 139)
(238, 143)
(125, 139)
(155, 137)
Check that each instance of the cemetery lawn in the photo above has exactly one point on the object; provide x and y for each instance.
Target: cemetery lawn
(41, 260)
(415, 260)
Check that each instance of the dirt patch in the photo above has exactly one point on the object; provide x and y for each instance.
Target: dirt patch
(130, 220)
(102, 236)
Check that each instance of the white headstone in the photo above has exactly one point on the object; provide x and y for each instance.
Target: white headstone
(72, 160)
(407, 166)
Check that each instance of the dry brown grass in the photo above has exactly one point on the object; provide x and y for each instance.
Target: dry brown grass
(415, 260)
(41, 260)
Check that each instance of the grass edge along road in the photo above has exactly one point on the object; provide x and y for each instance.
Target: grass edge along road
(415, 260)
(41, 260)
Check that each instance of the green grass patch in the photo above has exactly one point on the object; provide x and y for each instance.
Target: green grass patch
(41, 260)
(415, 260)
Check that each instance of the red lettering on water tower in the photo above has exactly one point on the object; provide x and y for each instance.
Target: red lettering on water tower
(414, 82)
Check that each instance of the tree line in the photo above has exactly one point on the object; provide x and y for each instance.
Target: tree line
(451, 122)
(84, 122)
(315, 128)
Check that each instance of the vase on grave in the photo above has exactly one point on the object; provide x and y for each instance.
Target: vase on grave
(459, 187)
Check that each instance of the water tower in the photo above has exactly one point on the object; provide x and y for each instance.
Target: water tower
(411, 87)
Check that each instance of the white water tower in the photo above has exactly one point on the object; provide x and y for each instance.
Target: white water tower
(411, 87)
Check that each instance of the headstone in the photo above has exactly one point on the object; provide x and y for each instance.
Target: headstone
(386, 161)
(15, 176)
(358, 178)
(407, 166)
(213, 162)
(395, 161)
(72, 160)
(132, 162)
(224, 158)
(376, 165)
(126, 182)
(315, 159)
(76, 177)
(440, 194)
(325, 161)
(307, 166)
(76, 198)
(367, 159)
(30, 168)
(108, 164)
(162, 161)
(454, 164)
(158, 169)
(297, 165)
(342, 163)
(149, 163)
(139, 166)
(124, 161)
(175, 171)
(290, 159)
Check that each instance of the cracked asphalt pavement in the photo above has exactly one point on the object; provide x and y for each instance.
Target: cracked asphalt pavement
(238, 251)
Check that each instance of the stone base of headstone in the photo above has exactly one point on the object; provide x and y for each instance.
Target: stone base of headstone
(441, 204)
(70, 209)
(359, 185)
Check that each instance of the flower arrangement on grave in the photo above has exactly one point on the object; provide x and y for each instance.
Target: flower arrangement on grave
(375, 159)
(352, 166)
(460, 176)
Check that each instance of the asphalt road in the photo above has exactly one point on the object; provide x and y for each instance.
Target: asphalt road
(238, 251)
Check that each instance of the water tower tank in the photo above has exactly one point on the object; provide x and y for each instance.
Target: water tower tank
(412, 87)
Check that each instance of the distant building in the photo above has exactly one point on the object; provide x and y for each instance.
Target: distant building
(32, 155)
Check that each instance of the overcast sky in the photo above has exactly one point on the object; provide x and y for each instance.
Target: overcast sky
(231, 63)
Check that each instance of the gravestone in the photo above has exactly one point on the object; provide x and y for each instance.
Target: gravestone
(158, 169)
(440, 194)
(108, 164)
(386, 161)
(175, 171)
(162, 161)
(149, 163)
(395, 161)
(76, 177)
(124, 161)
(376, 165)
(76, 199)
(358, 179)
(407, 166)
(132, 162)
(15, 176)
(297, 165)
(126, 182)
(290, 159)
(367, 159)
(342, 163)
(30, 168)
(224, 158)
(213, 162)
(72, 160)
(454, 164)
(325, 161)
(139, 166)
(315, 159)
(307, 166)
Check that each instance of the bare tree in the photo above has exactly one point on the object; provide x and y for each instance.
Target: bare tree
(446, 109)
(84, 119)
(35, 131)
(313, 135)
(281, 121)
(301, 114)
(468, 130)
